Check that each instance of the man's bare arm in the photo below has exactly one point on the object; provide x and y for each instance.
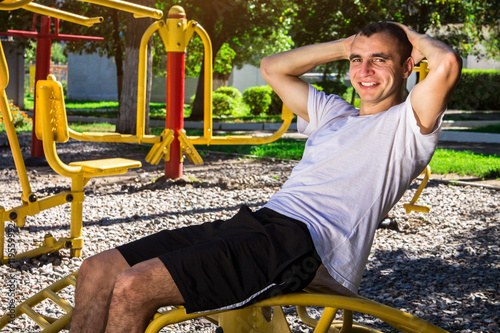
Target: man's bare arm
(430, 97)
(281, 71)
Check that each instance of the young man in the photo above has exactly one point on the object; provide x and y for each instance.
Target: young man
(357, 164)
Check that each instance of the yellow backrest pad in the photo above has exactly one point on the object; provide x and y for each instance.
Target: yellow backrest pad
(56, 112)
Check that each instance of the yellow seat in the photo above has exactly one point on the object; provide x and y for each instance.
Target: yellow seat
(51, 126)
(107, 166)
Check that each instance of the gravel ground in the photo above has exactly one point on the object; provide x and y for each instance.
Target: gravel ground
(442, 266)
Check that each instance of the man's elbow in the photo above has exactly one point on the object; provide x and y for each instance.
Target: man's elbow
(448, 69)
(453, 63)
(266, 68)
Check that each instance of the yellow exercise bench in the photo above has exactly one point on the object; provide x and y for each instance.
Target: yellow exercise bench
(52, 127)
(264, 317)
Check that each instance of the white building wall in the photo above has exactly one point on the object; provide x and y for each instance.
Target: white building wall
(91, 78)
(246, 77)
(473, 62)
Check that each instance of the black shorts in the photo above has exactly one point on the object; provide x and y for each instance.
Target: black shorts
(233, 263)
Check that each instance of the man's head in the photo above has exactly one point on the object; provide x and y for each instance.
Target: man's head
(393, 30)
(380, 60)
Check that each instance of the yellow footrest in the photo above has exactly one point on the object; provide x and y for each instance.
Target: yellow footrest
(107, 165)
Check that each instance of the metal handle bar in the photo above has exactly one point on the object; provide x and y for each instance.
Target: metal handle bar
(137, 10)
(11, 5)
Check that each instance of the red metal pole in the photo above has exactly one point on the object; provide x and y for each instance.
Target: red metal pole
(175, 110)
(43, 47)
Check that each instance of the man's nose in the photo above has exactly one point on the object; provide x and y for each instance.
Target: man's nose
(366, 68)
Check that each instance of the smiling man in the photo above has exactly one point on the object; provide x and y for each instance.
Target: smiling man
(315, 232)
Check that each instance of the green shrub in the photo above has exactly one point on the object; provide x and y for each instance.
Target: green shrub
(223, 105)
(230, 91)
(477, 90)
(258, 99)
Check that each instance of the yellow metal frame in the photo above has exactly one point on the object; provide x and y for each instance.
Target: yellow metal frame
(176, 34)
(44, 10)
(265, 317)
(31, 204)
(411, 206)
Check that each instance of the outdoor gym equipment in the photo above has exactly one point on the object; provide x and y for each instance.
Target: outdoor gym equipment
(411, 206)
(51, 127)
(31, 204)
(173, 143)
(43, 51)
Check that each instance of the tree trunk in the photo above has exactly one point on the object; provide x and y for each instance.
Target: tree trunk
(220, 80)
(118, 52)
(197, 110)
(127, 112)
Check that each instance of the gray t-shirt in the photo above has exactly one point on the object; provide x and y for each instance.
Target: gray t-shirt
(354, 169)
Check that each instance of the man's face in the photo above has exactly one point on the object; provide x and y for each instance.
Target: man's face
(376, 71)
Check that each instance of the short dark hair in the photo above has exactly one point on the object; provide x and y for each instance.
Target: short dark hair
(393, 30)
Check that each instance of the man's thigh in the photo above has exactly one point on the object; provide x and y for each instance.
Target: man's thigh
(227, 263)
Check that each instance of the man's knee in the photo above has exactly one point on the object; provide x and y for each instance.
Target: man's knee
(93, 266)
(129, 289)
(103, 266)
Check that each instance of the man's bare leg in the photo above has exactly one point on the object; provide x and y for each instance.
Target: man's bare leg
(94, 287)
(138, 293)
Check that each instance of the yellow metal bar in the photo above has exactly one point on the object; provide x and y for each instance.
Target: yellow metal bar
(37, 318)
(347, 322)
(4, 70)
(208, 82)
(3, 258)
(76, 226)
(412, 206)
(404, 320)
(161, 149)
(43, 109)
(63, 15)
(325, 320)
(137, 10)
(58, 300)
(422, 69)
(10, 128)
(188, 149)
(287, 117)
(49, 325)
(12, 4)
(113, 137)
(142, 77)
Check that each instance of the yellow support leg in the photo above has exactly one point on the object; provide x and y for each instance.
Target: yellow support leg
(76, 226)
(412, 206)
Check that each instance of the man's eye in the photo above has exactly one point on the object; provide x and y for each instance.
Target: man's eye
(380, 60)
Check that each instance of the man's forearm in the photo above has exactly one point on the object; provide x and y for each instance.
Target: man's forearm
(299, 61)
(435, 52)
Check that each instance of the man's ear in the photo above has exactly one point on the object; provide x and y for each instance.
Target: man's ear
(408, 67)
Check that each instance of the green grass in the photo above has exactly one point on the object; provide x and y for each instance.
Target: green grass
(465, 163)
(95, 127)
(443, 162)
(91, 105)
